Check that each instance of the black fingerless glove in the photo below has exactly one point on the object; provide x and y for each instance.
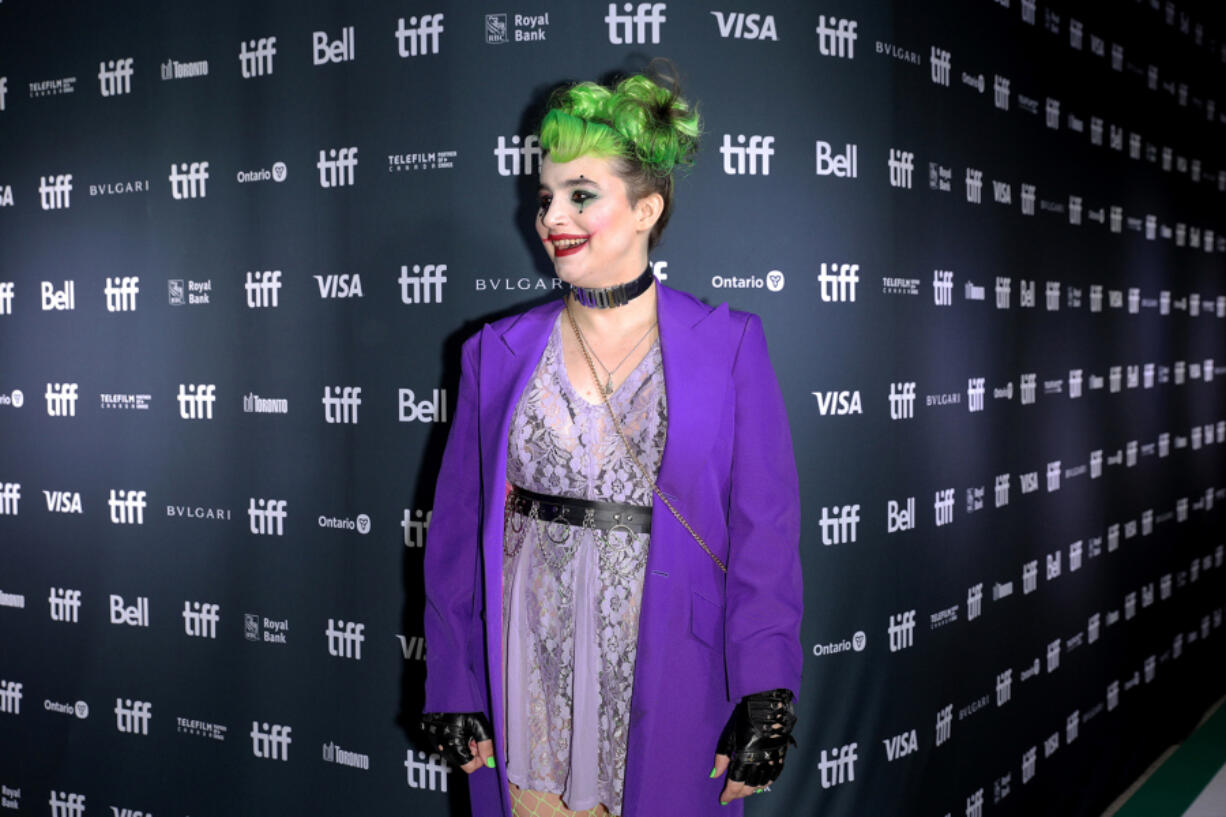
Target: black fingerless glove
(757, 737)
(453, 730)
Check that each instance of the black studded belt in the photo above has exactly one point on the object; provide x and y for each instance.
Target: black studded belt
(579, 512)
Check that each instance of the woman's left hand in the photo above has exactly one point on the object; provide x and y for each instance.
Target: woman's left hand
(754, 743)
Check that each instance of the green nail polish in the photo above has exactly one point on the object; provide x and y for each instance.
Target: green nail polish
(489, 761)
(713, 772)
(759, 791)
(722, 803)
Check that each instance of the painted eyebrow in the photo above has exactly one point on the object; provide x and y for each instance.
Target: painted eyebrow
(569, 183)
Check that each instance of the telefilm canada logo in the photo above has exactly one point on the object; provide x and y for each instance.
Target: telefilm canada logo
(421, 160)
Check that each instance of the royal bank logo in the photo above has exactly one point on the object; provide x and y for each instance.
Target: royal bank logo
(266, 517)
(529, 28)
(940, 64)
(255, 57)
(838, 766)
(181, 293)
(127, 507)
(337, 167)
(132, 717)
(173, 69)
(940, 178)
(200, 619)
(836, 37)
(324, 51)
(749, 158)
(843, 165)
(839, 524)
(263, 288)
(55, 192)
(188, 180)
(10, 697)
(837, 282)
(270, 742)
(901, 630)
(345, 639)
(901, 164)
(521, 158)
(974, 185)
(58, 299)
(67, 804)
(121, 293)
(65, 604)
(53, 87)
(61, 399)
(115, 77)
(427, 772)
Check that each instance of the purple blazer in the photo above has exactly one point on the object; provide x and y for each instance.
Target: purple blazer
(705, 638)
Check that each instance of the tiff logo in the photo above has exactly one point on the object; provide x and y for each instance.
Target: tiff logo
(940, 60)
(1072, 725)
(345, 639)
(974, 185)
(1000, 92)
(631, 29)
(901, 630)
(55, 194)
(1028, 387)
(1028, 197)
(64, 604)
(127, 507)
(975, 389)
(270, 743)
(838, 282)
(336, 167)
(187, 180)
(759, 146)
(6, 297)
(266, 516)
(262, 289)
(1004, 687)
(1028, 762)
(132, 717)
(1075, 382)
(902, 400)
(64, 804)
(943, 506)
(974, 601)
(945, 724)
(4, 91)
(1053, 476)
(10, 697)
(839, 766)
(10, 495)
(1052, 109)
(1074, 209)
(1002, 490)
(1051, 294)
(196, 401)
(1030, 576)
(1053, 656)
(835, 37)
(901, 164)
(341, 404)
(839, 524)
(421, 37)
(1113, 695)
(509, 158)
(255, 56)
(974, 804)
(424, 286)
(416, 525)
(426, 772)
(200, 619)
(115, 77)
(942, 287)
(1004, 289)
(61, 399)
(121, 293)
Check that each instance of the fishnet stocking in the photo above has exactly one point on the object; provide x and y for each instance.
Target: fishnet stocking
(529, 803)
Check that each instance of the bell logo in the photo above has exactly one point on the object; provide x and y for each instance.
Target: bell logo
(270, 742)
(340, 286)
(55, 194)
(132, 717)
(837, 282)
(518, 159)
(428, 410)
(187, 180)
(418, 37)
(743, 26)
(835, 37)
(121, 293)
(901, 164)
(839, 524)
(940, 64)
(127, 507)
(134, 616)
(255, 56)
(336, 167)
(759, 146)
(838, 403)
(632, 28)
(64, 804)
(200, 619)
(61, 399)
(323, 52)
(115, 77)
(900, 518)
(266, 516)
(843, 165)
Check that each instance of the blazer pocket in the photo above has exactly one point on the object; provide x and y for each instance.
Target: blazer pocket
(707, 622)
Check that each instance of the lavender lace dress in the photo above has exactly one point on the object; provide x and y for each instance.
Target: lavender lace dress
(571, 595)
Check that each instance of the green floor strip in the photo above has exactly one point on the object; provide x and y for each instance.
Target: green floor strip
(1176, 783)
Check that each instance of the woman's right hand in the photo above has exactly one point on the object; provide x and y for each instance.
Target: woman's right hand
(465, 739)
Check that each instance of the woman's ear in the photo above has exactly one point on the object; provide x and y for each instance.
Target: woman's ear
(647, 211)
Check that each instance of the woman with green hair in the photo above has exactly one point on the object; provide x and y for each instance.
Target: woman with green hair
(612, 571)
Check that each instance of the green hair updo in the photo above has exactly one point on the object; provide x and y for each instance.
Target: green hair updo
(642, 124)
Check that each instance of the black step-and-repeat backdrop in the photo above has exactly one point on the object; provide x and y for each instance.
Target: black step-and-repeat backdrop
(240, 244)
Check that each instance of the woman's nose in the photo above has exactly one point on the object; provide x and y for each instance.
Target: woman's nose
(554, 214)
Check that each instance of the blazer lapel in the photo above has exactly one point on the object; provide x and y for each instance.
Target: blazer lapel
(697, 366)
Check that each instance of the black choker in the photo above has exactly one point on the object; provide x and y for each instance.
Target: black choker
(616, 295)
